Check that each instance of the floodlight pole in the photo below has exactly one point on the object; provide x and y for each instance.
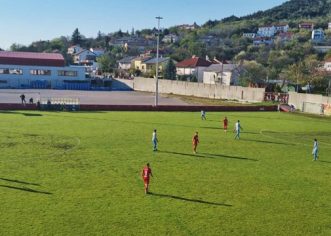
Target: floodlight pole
(157, 62)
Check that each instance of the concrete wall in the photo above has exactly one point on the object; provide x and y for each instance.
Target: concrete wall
(298, 100)
(122, 84)
(201, 90)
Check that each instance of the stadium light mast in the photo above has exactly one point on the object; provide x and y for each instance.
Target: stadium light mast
(159, 18)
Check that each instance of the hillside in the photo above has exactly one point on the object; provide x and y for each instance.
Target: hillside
(295, 9)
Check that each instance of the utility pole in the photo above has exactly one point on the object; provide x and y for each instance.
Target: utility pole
(159, 18)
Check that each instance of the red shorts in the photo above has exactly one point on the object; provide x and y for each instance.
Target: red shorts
(225, 126)
(146, 180)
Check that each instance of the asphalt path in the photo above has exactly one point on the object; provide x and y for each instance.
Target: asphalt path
(89, 97)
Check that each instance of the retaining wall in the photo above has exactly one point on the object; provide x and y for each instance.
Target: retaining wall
(200, 90)
(297, 99)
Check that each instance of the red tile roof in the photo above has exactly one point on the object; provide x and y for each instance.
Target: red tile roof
(194, 62)
(31, 59)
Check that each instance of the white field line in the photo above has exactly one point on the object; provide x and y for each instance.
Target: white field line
(325, 145)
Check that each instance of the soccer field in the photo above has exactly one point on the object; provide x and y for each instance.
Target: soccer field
(79, 174)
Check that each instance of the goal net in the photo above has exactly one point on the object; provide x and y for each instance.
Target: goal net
(313, 108)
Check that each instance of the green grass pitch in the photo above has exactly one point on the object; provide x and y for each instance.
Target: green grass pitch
(79, 174)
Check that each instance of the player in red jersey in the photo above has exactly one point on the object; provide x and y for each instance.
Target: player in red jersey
(146, 173)
(225, 124)
(195, 142)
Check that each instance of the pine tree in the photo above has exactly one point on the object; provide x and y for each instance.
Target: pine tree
(170, 70)
(76, 37)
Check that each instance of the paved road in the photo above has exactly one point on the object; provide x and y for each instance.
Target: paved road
(89, 97)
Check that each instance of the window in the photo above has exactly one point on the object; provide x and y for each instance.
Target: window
(15, 71)
(8, 71)
(40, 72)
(4, 71)
(67, 73)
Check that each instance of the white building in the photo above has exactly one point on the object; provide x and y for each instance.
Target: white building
(125, 63)
(249, 35)
(74, 49)
(37, 70)
(98, 51)
(170, 38)
(317, 35)
(225, 74)
(327, 65)
(194, 66)
(282, 28)
(329, 26)
(267, 31)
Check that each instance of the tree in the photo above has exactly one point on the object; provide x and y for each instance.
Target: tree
(105, 63)
(170, 70)
(76, 37)
(253, 73)
(297, 73)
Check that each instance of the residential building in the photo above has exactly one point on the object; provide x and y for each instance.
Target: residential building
(150, 64)
(194, 66)
(84, 57)
(282, 28)
(267, 31)
(98, 51)
(189, 27)
(74, 49)
(317, 35)
(138, 63)
(225, 74)
(37, 70)
(249, 35)
(170, 38)
(327, 65)
(285, 36)
(125, 63)
(306, 26)
(322, 49)
(262, 41)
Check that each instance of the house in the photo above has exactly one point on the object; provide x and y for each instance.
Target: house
(225, 74)
(262, 41)
(150, 64)
(327, 65)
(189, 27)
(249, 35)
(194, 66)
(306, 26)
(84, 57)
(322, 49)
(37, 70)
(138, 63)
(170, 38)
(317, 35)
(74, 49)
(282, 28)
(125, 63)
(267, 31)
(285, 36)
(329, 26)
(98, 51)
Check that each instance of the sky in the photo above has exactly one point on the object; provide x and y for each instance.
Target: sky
(25, 21)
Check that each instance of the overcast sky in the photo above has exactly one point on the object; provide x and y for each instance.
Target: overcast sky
(25, 21)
